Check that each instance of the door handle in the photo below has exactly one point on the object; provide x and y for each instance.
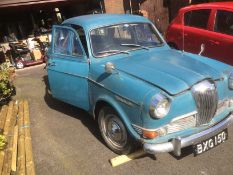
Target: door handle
(214, 42)
(52, 64)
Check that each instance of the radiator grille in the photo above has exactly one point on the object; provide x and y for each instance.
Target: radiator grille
(206, 99)
(181, 124)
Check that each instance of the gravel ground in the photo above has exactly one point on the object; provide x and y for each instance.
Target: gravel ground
(66, 140)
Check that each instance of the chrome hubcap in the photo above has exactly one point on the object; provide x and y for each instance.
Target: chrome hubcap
(115, 131)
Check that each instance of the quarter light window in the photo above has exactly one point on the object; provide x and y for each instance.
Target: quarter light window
(66, 42)
(197, 18)
(224, 22)
(61, 41)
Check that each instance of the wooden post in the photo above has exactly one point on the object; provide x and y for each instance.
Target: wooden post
(2, 124)
(6, 169)
(8, 118)
(2, 155)
(9, 132)
(21, 170)
(14, 118)
(3, 118)
(30, 167)
(14, 151)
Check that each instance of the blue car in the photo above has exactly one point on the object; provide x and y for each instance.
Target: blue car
(120, 70)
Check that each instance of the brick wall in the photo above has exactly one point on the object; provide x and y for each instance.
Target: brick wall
(157, 13)
(114, 6)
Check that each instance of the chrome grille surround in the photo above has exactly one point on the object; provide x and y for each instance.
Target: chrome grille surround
(206, 98)
(137, 129)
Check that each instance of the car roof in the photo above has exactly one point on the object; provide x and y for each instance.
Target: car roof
(89, 22)
(226, 5)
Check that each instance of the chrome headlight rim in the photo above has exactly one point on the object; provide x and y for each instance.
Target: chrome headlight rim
(230, 81)
(156, 102)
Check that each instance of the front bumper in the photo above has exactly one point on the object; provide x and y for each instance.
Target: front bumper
(177, 143)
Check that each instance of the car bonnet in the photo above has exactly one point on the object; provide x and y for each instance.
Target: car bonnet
(169, 70)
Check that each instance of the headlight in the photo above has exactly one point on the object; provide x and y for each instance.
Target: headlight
(160, 106)
(230, 81)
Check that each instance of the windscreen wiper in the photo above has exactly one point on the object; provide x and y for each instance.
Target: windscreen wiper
(135, 45)
(113, 51)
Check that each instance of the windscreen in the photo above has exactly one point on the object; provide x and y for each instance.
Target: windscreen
(123, 37)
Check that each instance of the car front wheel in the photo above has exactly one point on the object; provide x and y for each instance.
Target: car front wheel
(114, 131)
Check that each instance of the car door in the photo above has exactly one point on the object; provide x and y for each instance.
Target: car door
(68, 68)
(220, 41)
(195, 29)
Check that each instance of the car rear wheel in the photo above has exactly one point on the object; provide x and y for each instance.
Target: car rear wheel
(19, 65)
(114, 131)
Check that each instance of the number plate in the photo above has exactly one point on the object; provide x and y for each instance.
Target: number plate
(210, 143)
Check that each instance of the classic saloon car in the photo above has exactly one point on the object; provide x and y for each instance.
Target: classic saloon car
(120, 70)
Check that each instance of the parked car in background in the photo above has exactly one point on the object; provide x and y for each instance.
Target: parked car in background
(22, 56)
(120, 70)
(210, 24)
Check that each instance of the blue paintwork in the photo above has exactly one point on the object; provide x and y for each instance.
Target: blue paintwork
(155, 69)
(89, 22)
(68, 83)
(138, 76)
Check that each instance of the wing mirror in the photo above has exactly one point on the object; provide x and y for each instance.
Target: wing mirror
(109, 67)
(202, 49)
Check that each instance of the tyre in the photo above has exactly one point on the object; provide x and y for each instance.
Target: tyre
(114, 131)
(19, 65)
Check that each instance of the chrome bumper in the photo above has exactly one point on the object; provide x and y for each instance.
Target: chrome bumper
(177, 143)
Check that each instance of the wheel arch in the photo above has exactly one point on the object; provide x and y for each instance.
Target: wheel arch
(109, 101)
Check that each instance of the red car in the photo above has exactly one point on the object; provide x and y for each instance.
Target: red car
(210, 25)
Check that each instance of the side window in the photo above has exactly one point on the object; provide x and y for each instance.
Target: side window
(76, 48)
(61, 41)
(224, 22)
(82, 38)
(197, 18)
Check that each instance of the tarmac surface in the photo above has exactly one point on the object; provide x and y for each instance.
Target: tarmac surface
(66, 140)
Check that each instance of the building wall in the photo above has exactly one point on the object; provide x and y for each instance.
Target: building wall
(114, 6)
(131, 6)
(174, 7)
(155, 9)
(157, 13)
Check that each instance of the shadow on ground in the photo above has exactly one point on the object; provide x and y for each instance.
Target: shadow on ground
(88, 120)
(184, 153)
(72, 111)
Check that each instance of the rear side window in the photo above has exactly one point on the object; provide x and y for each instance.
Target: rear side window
(224, 22)
(197, 18)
